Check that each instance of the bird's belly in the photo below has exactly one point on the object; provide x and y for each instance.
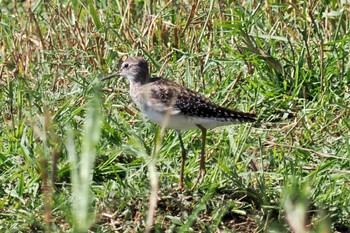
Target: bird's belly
(181, 122)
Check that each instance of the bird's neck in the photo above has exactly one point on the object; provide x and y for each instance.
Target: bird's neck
(140, 79)
(146, 79)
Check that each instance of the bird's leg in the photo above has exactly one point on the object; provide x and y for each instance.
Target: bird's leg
(202, 158)
(183, 158)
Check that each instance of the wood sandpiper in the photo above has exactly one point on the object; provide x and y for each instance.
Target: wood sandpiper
(171, 105)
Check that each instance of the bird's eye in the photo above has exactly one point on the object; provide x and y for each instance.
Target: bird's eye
(126, 65)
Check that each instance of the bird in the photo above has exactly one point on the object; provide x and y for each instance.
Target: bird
(174, 106)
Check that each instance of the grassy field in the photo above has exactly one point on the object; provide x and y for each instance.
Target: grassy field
(76, 155)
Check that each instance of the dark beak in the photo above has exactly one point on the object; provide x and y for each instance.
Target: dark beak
(111, 76)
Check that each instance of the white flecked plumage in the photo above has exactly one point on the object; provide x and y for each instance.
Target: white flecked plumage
(171, 105)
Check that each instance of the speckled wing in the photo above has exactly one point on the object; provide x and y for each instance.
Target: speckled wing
(194, 105)
(162, 96)
(176, 99)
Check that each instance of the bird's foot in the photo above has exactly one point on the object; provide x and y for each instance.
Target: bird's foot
(200, 178)
(181, 185)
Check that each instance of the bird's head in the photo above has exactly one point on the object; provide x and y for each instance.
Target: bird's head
(133, 68)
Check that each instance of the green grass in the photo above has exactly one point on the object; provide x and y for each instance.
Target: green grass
(77, 155)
